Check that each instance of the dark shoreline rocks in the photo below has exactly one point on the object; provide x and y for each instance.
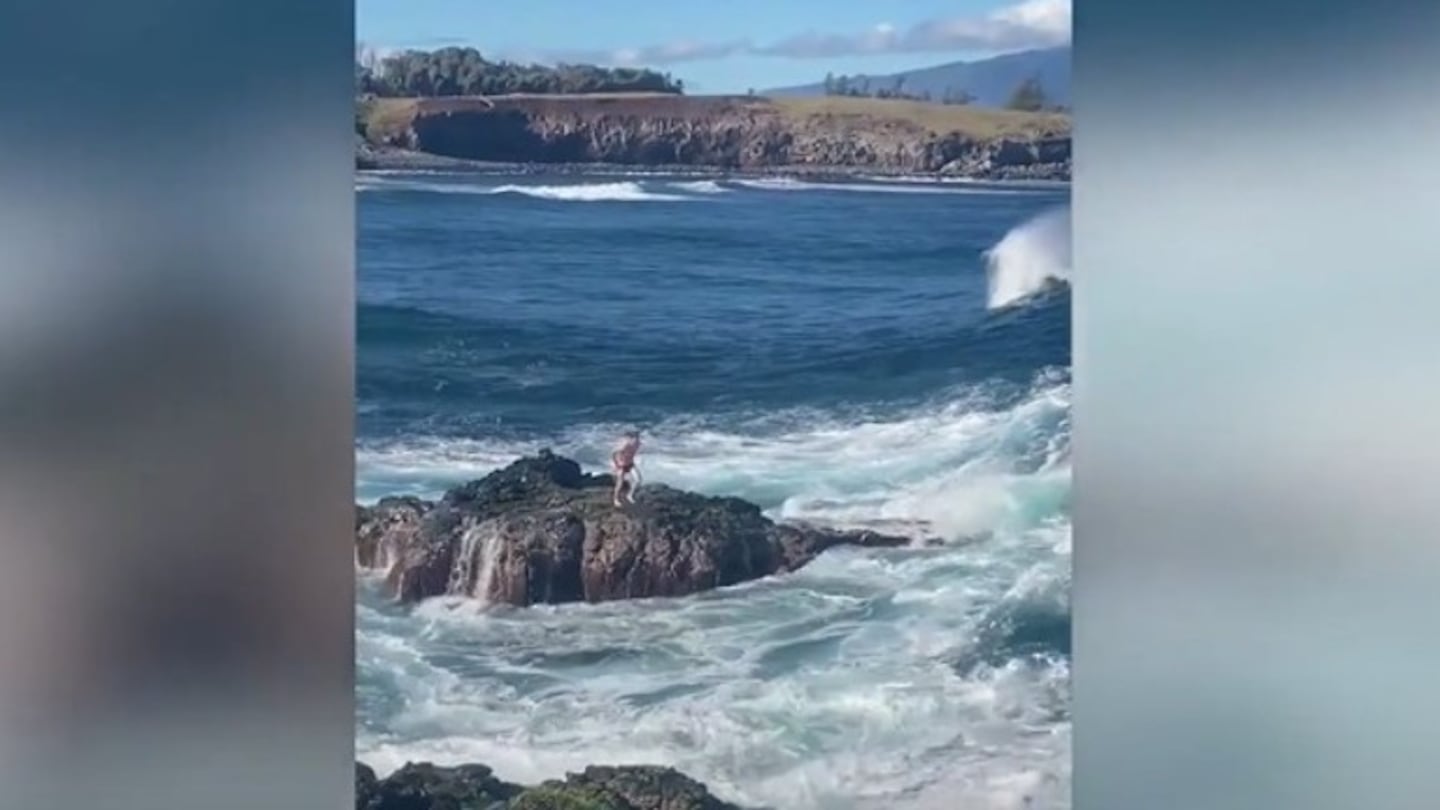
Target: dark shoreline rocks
(423, 786)
(541, 531)
(369, 158)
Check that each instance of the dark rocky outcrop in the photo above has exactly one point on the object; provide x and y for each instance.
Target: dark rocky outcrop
(429, 787)
(474, 787)
(626, 788)
(543, 531)
(1011, 158)
(732, 133)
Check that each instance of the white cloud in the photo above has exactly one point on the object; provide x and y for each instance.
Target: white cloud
(1030, 24)
(1046, 18)
(650, 55)
(1027, 24)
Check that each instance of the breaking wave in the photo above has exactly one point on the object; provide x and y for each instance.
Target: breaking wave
(890, 186)
(702, 187)
(636, 190)
(1030, 259)
(591, 192)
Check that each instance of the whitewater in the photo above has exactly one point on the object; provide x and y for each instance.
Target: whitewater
(662, 188)
(863, 677)
(1029, 258)
(935, 676)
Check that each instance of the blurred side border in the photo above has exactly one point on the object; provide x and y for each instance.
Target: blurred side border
(176, 399)
(1256, 186)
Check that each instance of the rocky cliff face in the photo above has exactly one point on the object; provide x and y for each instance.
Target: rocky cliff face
(731, 133)
(542, 531)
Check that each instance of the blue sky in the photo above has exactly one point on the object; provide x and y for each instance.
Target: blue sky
(723, 47)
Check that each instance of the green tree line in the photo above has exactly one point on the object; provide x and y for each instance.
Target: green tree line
(465, 72)
(1029, 95)
(865, 87)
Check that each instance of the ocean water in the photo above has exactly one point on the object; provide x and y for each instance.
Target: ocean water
(867, 353)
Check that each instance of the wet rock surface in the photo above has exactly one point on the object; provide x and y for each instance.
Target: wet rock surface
(542, 531)
(424, 786)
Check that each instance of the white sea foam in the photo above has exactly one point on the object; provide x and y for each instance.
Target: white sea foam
(947, 180)
(838, 686)
(833, 687)
(891, 186)
(417, 172)
(591, 192)
(701, 187)
(377, 183)
(852, 468)
(622, 191)
(1029, 257)
(441, 182)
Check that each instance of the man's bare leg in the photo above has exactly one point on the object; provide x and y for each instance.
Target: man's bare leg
(634, 485)
(619, 485)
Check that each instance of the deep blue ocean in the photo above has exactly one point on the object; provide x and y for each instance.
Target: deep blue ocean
(861, 353)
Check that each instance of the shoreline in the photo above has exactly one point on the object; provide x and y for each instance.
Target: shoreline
(832, 136)
(400, 161)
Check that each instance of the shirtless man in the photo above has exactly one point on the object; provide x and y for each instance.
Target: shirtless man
(623, 462)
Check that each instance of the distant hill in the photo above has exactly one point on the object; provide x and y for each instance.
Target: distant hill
(990, 81)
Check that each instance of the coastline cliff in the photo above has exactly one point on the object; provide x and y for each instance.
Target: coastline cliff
(731, 133)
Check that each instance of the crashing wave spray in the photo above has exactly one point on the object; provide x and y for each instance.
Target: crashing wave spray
(732, 688)
(462, 571)
(1032, 257)
(489, 553)
(473, 572)
(591, 192)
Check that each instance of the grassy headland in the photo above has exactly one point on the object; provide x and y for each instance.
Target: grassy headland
(583, 115)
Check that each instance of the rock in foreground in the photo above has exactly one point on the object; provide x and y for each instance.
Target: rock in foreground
(543, 531)
(474, 787)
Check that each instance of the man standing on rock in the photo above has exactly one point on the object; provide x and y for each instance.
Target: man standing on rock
(623, 461)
